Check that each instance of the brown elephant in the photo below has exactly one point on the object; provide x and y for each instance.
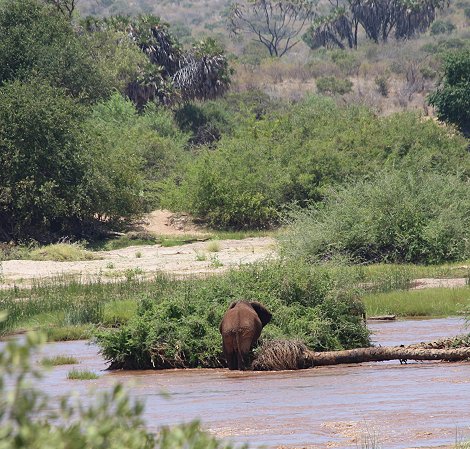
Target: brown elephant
(240, 328)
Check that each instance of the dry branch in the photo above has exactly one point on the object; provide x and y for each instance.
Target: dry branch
(279, 355)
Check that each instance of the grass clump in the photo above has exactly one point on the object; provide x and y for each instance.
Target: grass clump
(416, 303)
(76, 374)
(399, 217)
(213, 246)
(68, 333)
(62, 252)
(178, 327)
(59, 360)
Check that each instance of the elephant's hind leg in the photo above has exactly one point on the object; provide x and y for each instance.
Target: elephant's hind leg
(240, 361)
(232, 361)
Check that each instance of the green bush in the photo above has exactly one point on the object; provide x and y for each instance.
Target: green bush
(36, 40)
(32, 419)
(296, 154)
(133, 153)
(44, 177)
(395, 217)
(442, 27)
(452, 97)
(332, 85)
(68, 171)
(347, 61)
(382, 85)
(180, 326)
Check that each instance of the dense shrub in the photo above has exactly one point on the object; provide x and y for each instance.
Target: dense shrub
(294, 155)
(452, 98)
(133, 153)
(44, 176)
(395, 217)
(441, 27)
(332, 85)
(180, 326)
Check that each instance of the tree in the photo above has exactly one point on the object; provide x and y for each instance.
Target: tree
(281, 355)
(332, 30)
(452, 98)
(405, 17)
(171, 73)
(379, 19)
(277, 24)
(43, 166)
(65, 7)
(36, 40)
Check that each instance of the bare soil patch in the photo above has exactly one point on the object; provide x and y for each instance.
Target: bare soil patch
(144, 262)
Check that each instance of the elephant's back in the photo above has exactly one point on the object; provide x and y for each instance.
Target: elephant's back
(240, 319)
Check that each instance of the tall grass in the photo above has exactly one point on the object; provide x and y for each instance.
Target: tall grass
(65, 302)
(62, 252)
(428, 302)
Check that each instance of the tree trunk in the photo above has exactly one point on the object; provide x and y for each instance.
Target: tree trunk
(381, 354)
(285, 354)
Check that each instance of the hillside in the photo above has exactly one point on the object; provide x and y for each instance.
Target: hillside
(388, 77)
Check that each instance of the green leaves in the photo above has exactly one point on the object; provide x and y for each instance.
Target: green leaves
(179, 326)
(452, 97)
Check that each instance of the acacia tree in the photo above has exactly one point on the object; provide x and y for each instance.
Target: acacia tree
(66, 7)
(277, 24)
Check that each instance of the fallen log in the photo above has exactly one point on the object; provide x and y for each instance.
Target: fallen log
(382, 318)
(282, 355)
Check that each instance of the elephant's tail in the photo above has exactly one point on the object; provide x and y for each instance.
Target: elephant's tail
(240, 362)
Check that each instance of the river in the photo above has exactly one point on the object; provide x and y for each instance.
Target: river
(385, 404)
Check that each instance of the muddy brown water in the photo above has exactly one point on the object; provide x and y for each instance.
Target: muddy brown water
(385, 405)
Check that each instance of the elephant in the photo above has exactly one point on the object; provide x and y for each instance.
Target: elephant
(240, 328)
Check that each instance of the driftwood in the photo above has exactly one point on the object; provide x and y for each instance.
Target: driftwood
(281, 355)
(383, 318)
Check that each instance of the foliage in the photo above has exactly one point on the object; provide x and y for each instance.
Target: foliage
(379, 19)
(452, 98)
(332, 30)
(382, 85)
(277, 24)
(333, 85)
(442, 27)
(294, 155)
(171, 73)
(179, 326)
(36, 40)
(76, 374)
(60, 178)
(394, 217)
(59, 360)
(43, 183)
(429, 302)
(132, 154)
(65, 7)
(61, 252)
(110, 420)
